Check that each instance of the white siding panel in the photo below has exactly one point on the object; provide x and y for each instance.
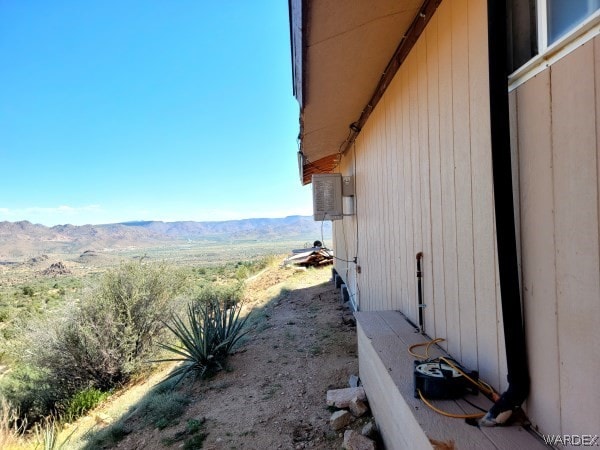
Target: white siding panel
(408, 194)
(462, 182)
(447, 177)
(424, 170)
(538, 249)
(437, 246)
(576, 214)
(482, 194)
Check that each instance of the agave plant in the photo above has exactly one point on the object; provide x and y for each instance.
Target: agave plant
(47, 435)
(206, 338)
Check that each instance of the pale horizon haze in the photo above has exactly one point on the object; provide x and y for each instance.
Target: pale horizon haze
(164, 110)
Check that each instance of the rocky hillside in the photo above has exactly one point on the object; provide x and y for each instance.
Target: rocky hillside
(19, 239)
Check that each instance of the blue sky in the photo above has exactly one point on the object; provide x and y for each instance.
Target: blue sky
(147, 110)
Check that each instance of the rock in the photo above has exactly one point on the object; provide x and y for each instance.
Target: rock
(356, 441)
(103, 419)
(354, 381)
(340, 419)
(349, 319)
(341, 398)
(370, 430)
(358, 407)
(57, 268)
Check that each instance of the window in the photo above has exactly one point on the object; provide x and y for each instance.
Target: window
(564, 15)
(535, 25)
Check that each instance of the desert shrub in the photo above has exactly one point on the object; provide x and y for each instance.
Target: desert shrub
(195, 442)
(27, 290)
(107, 437)
(98, 342)
(242, 272)
(227, 294)
(82, 402)
(27, 389)
(212, 328)
(113, 330)
(163, 410)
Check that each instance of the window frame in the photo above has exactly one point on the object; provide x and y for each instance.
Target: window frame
(549, 54)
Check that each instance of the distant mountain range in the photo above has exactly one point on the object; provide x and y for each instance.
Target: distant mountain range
(25, 239)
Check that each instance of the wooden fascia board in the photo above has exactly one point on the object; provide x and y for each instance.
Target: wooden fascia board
(404, 47)
(297, 10)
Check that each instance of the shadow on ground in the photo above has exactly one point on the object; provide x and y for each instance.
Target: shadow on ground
(272, 394)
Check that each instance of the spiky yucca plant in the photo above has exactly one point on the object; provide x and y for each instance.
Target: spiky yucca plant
(206, 338)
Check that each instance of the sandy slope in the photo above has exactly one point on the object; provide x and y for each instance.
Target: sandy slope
(273, 395)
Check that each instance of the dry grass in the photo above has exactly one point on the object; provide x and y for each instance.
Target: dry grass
(9, 432)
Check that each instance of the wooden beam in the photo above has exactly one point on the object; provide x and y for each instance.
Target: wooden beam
(406, 44)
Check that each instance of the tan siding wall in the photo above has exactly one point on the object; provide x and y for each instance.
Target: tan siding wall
(344, 243)
(558, 116)
(423, 183)
(423, 179)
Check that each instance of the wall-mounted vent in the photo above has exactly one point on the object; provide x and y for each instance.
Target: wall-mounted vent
(327, 196)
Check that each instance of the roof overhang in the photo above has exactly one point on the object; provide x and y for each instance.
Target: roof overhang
(341, 51)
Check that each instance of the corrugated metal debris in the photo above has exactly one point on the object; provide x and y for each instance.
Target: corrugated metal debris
(310, 257)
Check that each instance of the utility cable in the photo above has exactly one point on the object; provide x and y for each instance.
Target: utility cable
(447, 414)
(481, 385)
(421, 344)
(333, 256)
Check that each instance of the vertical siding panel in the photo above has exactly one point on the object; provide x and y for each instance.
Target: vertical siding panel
(577, 264)
(408, 192)
(411, 65)
(351, 169)
(368, 203)
(361, 180)
(361, 203)
(447, 178)
(425, 212)
(393, 200)
(382, 263)
(416, 246)
(399, 207)
(537, 238)
(389, 192)
(437, 250)
(462, 181)
(482, 188)
(374, 272)
(596, 307)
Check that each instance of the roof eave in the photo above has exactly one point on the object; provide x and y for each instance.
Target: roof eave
(346, 55)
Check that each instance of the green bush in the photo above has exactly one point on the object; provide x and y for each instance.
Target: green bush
(112, 332)
(27, 290)
(82, 402)
(26, 388)
(213, 327)
(99, 341)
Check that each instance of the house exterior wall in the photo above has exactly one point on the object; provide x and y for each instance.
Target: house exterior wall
(424, 183)
(423, 176)
(558, 115)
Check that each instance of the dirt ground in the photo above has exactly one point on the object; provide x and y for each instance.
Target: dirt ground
(302, 343)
